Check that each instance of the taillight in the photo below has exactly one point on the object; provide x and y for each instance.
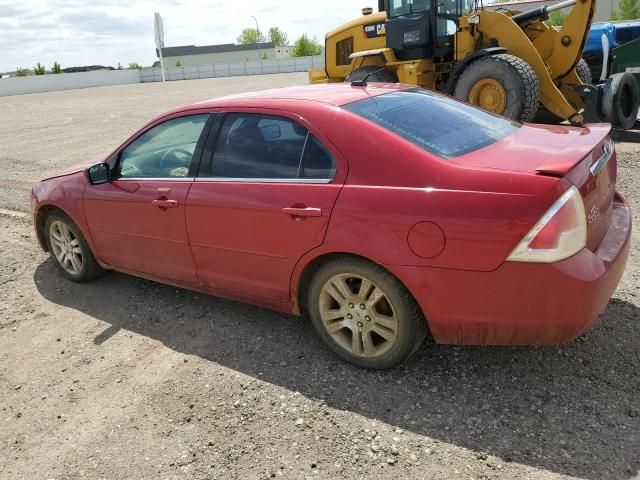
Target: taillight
(560, 233)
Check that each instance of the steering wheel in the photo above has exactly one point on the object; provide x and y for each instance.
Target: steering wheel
(181, 158)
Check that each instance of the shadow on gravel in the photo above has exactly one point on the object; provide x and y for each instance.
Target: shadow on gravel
(571, 410)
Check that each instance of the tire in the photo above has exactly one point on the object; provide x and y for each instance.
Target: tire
(620, 100)
(376, 74)
(398, 316)
(584, 72)
(84, 268)
(516, 77)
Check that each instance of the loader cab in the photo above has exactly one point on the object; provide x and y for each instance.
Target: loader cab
(419, 29)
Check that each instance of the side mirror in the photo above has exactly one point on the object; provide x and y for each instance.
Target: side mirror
(99, 174)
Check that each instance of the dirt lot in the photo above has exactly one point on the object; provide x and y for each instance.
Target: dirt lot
(125, 378)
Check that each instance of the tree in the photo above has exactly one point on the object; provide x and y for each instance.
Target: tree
(135, 66)
(629, 10)
(39, 69)
(251, 36)
(119, 67)
(57, 68)
(557, 18)
(178, 63)
(306, 47)
(21, 72)
(278, 37)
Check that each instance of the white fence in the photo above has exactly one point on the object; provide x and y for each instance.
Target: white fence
(284, 65)
(72, 81)
(66, 81)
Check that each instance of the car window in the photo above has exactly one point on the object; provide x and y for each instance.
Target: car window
(317, 162)
(165, 151)
(407, 7)
(267, 147)
(434, 122)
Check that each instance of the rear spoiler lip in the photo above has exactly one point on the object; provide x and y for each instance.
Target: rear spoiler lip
(558, 167)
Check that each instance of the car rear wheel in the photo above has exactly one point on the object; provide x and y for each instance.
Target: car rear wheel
(364, 314)
(70, 250)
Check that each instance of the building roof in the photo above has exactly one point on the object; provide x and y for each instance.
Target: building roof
(224, 48)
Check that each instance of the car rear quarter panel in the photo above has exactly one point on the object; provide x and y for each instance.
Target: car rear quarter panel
(393, 185)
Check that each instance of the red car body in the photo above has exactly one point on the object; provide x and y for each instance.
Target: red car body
(444, 228)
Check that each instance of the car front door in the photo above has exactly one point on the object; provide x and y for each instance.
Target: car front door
(137, 220)
(262, 200)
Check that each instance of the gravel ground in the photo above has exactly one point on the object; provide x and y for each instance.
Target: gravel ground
(126, 378)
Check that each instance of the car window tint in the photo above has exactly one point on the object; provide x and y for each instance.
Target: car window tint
(434, 122)
(256, 146)
(165, 151)
(317, 162)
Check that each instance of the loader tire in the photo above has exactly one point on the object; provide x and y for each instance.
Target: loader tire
(502, 84)
(376, 74)
(620, 100)
(584, 72)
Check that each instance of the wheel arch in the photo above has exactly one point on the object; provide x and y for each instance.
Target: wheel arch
(40, 220)
(305, 271)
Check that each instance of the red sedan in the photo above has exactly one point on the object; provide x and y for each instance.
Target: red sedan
(383, 211)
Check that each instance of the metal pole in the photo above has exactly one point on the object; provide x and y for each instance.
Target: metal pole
(259, 49)
(561, 5)
(162, 65)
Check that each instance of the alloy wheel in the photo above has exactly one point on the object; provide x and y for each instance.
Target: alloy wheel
(358, 315)
(66, 247)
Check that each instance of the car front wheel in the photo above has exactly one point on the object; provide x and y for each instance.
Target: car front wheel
(364, 314)
(70, 250)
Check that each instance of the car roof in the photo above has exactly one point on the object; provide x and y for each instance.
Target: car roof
(335, 94)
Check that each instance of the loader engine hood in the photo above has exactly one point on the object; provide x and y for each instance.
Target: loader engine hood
(543, 149)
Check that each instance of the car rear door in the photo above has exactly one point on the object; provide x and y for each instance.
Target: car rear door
(263, 199)
(137, 220)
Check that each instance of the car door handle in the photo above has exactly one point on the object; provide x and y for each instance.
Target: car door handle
(164, 204)
(302, 212)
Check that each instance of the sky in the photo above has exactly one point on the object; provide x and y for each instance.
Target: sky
(77, 32)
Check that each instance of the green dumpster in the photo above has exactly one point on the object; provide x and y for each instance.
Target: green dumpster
(626, 58)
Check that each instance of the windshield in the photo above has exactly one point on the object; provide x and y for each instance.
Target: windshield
(407, 7)
(434, 122)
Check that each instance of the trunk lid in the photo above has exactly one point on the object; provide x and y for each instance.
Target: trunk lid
(596, 178)
(544, 149)
(583, 156)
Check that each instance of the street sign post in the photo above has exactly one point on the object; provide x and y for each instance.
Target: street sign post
(159, 34)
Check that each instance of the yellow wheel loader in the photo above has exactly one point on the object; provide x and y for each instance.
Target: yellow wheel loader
(508, 62)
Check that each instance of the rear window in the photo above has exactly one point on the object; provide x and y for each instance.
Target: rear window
(434, 122)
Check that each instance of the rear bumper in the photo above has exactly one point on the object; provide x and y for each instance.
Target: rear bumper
(524, 303)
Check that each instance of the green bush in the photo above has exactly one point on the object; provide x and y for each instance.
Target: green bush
(629, 10)
(306, 47)
(557, 18)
